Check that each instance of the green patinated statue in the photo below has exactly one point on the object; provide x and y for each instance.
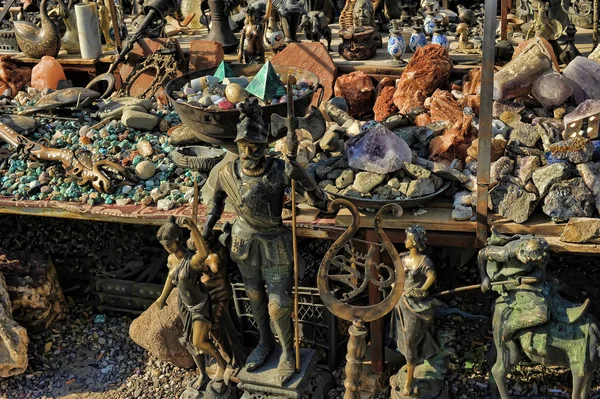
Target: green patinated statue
(531, 317)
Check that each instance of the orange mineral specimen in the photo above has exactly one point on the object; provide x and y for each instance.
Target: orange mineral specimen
(47, 73)
(357, 88)
(429, 68)
(384, 106)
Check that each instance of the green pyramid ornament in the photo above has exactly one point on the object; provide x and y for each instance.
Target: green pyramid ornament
(224, 71)
(266, 85)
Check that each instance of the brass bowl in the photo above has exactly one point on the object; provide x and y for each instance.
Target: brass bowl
(219, 128)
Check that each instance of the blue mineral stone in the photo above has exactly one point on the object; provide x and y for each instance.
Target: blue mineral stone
(34, 198)
(113, 137)
(37, 136)
(109, 201)
(21, 186)
(103, 151)
(149, 184)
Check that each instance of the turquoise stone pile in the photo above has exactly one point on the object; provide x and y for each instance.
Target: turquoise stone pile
(40, 180)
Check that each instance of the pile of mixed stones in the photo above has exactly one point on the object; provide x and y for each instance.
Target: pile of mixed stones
(225, 91)
(143, 153)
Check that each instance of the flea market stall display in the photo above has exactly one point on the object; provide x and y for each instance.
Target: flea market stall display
(299, 145)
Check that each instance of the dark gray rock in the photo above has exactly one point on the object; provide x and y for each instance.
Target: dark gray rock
(567, 199)
(502, 106)
(524, 134)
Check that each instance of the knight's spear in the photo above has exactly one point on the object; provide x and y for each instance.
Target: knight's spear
(292, 147)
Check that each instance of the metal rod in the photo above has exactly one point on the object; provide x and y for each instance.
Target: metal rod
(485, 119)
(115, 21)
(503, 19)
(296, 277)
(595, 26)
(196, 199)
(526, 280)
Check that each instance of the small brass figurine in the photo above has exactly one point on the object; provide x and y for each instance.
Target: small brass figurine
(258, 242)
(104, 18)
(463, 37)
(252, 50)
(195, 308)
(413, 317)
(531, 317)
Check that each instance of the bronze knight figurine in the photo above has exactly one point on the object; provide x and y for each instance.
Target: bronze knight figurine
(531, 317)
(258, 242)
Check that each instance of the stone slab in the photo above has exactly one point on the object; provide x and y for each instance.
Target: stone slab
(205, 54)
(313, 57)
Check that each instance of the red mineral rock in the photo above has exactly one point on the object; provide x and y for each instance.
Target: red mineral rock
(357, 88)
(384, 106)
(429, 67)
(454, 143)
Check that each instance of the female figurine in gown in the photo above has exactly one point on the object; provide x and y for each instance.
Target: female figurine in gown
(195, 308)
(412, 327)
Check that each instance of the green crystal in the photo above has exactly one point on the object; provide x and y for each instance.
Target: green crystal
(223, 71)
(266, 85)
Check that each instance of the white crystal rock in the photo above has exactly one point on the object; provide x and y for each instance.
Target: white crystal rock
(551, 89)
(585, 73)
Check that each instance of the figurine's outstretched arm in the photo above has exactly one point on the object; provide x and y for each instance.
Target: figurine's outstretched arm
(316, 195)
(202, 250)
(217, 205)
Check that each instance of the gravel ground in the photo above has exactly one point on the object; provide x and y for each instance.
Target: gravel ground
(89, 355)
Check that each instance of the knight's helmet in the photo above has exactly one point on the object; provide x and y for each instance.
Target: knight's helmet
(251, 127)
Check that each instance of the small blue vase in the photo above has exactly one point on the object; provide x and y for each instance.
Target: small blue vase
(417, 39)
(441, 39)
(396, 44)
(429, 24)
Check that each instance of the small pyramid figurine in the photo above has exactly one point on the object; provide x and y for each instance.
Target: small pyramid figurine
(224, 71)
(266, 85)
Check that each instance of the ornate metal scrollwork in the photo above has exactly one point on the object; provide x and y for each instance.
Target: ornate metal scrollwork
(352, 271)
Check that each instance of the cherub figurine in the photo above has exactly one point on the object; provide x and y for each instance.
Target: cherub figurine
(105, 24)
(186, 269)
(413, 317)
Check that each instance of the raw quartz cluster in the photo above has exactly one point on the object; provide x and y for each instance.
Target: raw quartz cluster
(378, 150)
(224, 90)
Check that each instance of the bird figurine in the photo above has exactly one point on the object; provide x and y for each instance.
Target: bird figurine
(37, 42)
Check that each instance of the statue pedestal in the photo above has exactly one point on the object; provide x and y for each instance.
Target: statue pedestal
(428, 380)
(261, 383)
(214, 390)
